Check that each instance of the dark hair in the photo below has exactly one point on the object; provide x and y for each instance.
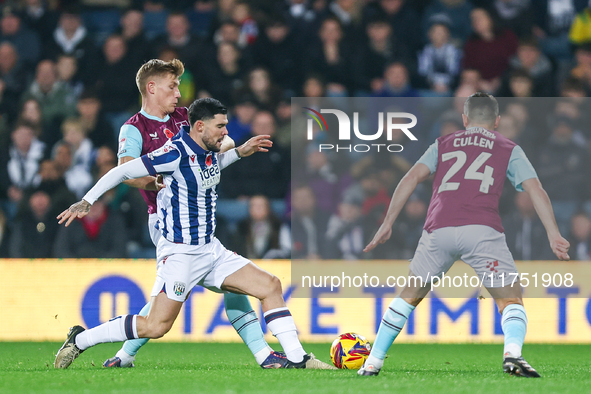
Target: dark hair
(520, 73)
(25, 123)
(586, 46)
(496, 29)
(481, 108)
(573, 83)
(276, 20)
(89, 93)
(229, 22)
(177, 13)
(205, 109)
(377, 19)
(580, 212)
(331, 19)
(529, 42)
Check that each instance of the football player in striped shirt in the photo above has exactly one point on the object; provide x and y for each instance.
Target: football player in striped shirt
(188, 252)
(159, 120)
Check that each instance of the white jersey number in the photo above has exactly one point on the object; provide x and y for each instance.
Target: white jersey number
(486, 177)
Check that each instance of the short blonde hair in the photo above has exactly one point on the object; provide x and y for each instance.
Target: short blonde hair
(157, 67)
(76, 123)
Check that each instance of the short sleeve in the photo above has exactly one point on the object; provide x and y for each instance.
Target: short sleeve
(164, 160)
(429, 158)
(519, 168)
(130, 142)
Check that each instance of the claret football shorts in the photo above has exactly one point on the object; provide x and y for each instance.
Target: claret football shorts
(481, 247)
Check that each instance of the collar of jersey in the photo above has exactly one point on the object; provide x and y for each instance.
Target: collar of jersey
(184, 135)
(165, 119)
(476, 127)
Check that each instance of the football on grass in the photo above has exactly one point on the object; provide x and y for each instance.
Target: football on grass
(349, 351)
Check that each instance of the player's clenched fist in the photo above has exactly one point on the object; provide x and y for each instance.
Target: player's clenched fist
(560, 247)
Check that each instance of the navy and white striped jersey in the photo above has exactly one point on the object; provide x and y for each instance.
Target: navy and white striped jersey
(187, 205)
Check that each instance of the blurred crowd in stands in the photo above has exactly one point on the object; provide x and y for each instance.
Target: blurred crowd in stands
(67, 84)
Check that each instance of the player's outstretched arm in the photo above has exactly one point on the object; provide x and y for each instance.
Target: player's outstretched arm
(148, 182)
(132, 169)
(417, 174)
(544, 209)
(260, 143)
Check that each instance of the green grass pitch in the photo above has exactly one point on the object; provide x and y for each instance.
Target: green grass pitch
(229, 368)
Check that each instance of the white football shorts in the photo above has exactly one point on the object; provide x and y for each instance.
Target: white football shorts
(153, 229)
(481, 247)
(205, 265)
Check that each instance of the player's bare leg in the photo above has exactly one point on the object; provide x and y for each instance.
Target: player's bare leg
(238, 309)
(514, 323)
(246, 323)
(125, 357)
(392, 323)
(256, 282)
(158, 322)
(243, 319)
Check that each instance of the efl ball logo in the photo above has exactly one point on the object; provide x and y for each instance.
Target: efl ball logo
(349, 351)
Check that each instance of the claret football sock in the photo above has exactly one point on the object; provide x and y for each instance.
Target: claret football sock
(281, 324)
(514, 323)
(131, 347)
(246, 324)
(117, 329)
(394, 319)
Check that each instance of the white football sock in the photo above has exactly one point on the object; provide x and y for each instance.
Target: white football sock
(281, 324)
(512, 350)
(117, 329)
(376, 362)
(125, 358)
(262, 355)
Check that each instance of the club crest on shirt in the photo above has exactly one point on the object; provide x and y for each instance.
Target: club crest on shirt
(492, 265)
(179, 288)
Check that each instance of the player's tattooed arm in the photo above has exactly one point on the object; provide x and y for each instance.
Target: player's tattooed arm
(146, 183)
(260, 143)
(77, 210)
